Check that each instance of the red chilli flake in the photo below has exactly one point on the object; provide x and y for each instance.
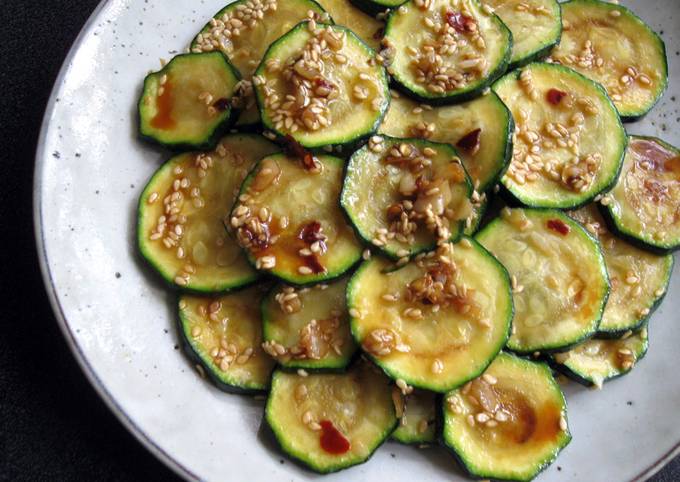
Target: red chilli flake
(470, 142)
(555, 96)
(332, 441)
(460, 23)
(221, 104)
(295, 149)
(558, 226)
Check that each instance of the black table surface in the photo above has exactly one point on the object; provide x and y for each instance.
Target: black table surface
(53, 426)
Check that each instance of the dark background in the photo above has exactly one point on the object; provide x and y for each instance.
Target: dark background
(53, 426)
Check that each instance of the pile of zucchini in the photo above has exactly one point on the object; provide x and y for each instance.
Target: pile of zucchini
(404, 218)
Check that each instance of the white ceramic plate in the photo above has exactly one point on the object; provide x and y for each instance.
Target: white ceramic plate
(119, 320)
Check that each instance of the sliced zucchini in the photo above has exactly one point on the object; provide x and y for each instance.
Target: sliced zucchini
(445, 52)
(181, 211)
(438, 321)
(536, 27)
(338, 99)
(402, 195)
(644, 205)
(608, 43)
(223, 334)
(309, 327)
(243, 30)
(365, 26)
(508, 424)
(569, 140)
(188, 103)
(330, 422)
(597, 361)
(417, 424)
(560, 284)
(289, 221)
(481, 130)
(639, 279)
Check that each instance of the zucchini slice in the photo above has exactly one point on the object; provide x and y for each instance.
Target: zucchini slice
(438, 321)
(338, 99)
(536, 27)
(559, 278)
(611, 45)
(417, 423)
(481, 130)
(309, 327)
(639, 279)
(365, 26)
(508, 424)
(180, 227)
(330, 422)
(569, 141)
(188, 103)
(289, 221)
(596, 361)
(402, 195)
(223, 334)
(443, 52)
(375, 7)
(243, 30)
(644, 205)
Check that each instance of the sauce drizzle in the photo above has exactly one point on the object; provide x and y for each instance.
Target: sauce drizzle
(332, 441)
(163, 118)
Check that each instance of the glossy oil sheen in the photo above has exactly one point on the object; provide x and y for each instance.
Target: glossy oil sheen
(87, 161)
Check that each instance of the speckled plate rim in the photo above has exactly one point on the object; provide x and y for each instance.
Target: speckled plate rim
(50, 287)
(60, 316)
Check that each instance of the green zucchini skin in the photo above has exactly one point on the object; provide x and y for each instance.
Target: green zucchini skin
(582, 379)
(293, 278)
(343, 145)
(406, 437)
(210, 139)
(638, 240)
(374, 7)
(197, 360)
(465, 94)
(394, 374)
(629, 116)
(558, 347)
(308, 463)
(515, 197)
(471, 471)
(333, 365)
(355, 164)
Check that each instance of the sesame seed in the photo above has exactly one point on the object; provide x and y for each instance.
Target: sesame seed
(302, 373)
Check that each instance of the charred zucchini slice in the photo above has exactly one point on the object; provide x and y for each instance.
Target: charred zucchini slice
(611, 45)
(481, 130)
(330, 422)
(444, 52)
(559, 278)
(243, 30)
(289, 221)
(438, 321)
(402, 195)
(536, 26)
(339, 92)
(180, 227)
(365, 26)
(597, 361)
(569, 140)
(308, 327)
(417, 423)
(639, 279)
(644, 206)
(508, 424)
(223, 334)
(188, 103)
